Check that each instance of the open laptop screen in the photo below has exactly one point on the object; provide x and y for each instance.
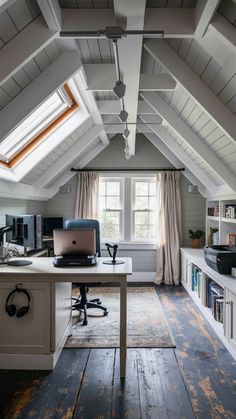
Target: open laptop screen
(74, 242)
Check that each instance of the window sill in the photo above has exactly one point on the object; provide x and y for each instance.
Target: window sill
(133, 246)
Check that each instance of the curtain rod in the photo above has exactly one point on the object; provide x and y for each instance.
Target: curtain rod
(170, 169)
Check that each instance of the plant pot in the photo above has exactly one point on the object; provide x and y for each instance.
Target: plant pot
(195, 243)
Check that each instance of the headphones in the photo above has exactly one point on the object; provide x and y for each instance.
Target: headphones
(11, 308)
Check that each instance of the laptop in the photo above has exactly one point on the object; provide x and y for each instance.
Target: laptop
(75, 242)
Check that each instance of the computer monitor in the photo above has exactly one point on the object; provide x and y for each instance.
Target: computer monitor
(50, 224)
(26, 230)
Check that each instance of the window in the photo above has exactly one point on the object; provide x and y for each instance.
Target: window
(144, 209)
(41, 119)
(128, 209)
(111, 208)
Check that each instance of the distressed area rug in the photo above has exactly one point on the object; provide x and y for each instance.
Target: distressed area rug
(147, 327)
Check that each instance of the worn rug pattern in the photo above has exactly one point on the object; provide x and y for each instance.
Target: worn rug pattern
(147, 327)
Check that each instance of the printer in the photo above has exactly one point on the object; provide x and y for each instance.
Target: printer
(221, 258)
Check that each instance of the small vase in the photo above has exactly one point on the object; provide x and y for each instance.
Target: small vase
(195, 243)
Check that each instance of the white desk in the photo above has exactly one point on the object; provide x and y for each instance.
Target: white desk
(36, 340)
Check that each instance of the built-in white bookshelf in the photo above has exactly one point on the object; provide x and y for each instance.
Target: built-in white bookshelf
(220, 221)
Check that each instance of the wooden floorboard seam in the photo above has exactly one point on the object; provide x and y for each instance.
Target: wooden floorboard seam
(186, 388)
(81, 382)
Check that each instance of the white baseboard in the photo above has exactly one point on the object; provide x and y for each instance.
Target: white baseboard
(142, 277)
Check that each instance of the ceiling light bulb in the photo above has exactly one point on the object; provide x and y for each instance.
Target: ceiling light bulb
(119, 89)
(126, 133)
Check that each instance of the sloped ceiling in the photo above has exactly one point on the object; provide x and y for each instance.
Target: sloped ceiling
(181, 90)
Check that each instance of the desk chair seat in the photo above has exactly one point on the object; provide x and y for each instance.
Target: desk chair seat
(81, 302)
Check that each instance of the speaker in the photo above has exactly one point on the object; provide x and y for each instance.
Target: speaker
(11, 308)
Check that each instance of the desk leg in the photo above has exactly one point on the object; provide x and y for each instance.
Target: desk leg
(123, 327)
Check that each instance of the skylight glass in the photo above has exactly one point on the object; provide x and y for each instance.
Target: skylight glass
(35, 123)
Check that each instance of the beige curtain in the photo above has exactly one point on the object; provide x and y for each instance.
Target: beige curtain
(87, 198)
(168, 250)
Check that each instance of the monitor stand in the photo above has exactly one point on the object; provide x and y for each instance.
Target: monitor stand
(19, 262)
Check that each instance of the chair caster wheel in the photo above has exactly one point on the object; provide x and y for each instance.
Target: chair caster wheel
(85, 323)
(105, 313)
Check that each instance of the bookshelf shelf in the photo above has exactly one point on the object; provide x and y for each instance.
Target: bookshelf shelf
(221, 229)
(228, 220)
(214, 294)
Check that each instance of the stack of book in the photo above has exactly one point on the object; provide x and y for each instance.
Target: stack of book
(230, 211)
(196, 279)
(213, 211)
(215, 300)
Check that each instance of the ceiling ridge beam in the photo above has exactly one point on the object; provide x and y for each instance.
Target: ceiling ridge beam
(38, 90)
(190, 138)
(195, 87)
(51, 12)
(68, 157)
(24, 46)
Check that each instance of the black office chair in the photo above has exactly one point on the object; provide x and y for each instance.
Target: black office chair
(81, 302)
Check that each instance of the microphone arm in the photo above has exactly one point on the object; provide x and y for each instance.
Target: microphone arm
(4, 230)
(114, 247)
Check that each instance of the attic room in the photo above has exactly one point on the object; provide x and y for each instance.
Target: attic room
(117, 209)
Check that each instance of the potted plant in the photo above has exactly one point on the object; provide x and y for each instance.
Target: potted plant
(196, 235)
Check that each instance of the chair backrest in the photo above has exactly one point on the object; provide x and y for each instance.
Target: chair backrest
(79, 223)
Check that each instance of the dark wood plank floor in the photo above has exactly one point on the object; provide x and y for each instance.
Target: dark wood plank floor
(197, 379)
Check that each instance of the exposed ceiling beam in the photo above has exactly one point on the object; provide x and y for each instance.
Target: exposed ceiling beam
(190, 138)
(171, 156)
(79, 84)
(68, 157)
(51, 12)
(102, 77)
(67, 175)
(176, 23)
(130, 52)
(204, 12)
(4, 4)
(112, 107)
(196, 88)
(24, 46)
(181, 155)
(23, 191)
(225, 31)
(38, 91)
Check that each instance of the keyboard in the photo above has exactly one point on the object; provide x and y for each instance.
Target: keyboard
(75, 260)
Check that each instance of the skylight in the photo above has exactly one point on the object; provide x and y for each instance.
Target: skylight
(35, 123)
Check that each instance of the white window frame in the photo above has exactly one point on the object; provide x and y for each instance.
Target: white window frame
(133, 210)
(121, 209)
(128, 242)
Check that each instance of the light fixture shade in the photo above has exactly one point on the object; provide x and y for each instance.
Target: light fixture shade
(123, 115)
(126, 133)
(119, 89)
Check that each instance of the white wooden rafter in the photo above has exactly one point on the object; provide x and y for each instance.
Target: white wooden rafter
(51, 12)
(23, 191)
(204, 12)
(68, 157)
(67, 175)
(190, 138)
(38, 90)
(195, 87)
(112, 107)
(24, 46)
(180, 153)
(173, 159)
